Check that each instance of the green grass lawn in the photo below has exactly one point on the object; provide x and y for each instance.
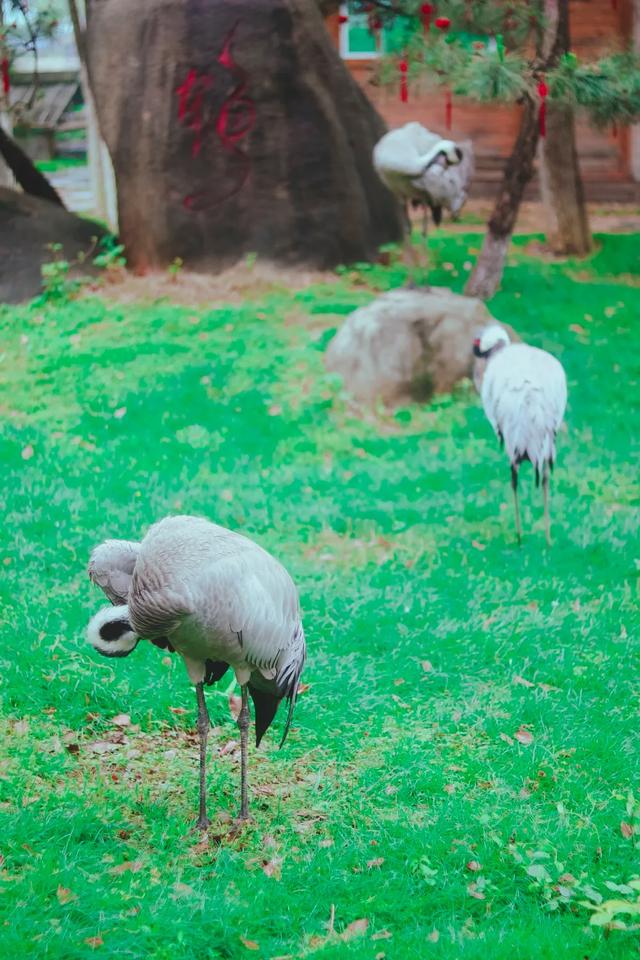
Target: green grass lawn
(460, 775)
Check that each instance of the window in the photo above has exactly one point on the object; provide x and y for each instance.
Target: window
(357, 42)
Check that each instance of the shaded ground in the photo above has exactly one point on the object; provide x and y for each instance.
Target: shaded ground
(459, 781)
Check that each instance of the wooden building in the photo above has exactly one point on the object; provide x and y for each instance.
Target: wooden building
(609, 159)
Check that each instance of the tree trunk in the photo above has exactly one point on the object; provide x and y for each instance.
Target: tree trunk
(561, 189)
(487, 273)
(566, 222)
(24, 170)
(103, 185)
(235, 128)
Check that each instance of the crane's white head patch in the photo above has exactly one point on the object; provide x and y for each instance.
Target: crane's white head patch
(111, 633)
(490, 338)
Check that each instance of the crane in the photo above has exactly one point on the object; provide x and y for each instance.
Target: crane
(422, 169)
(218, 600)
(524, 395)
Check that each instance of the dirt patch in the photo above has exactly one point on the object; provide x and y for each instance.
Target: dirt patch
(244, 281)
(603, 218)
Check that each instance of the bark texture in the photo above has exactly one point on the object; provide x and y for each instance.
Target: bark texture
(234, 127)
(487, 273)
(566, 221)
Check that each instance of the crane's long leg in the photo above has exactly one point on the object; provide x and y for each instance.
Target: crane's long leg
(203, 734)
(545, 495)
(514, 484)
(243, 724)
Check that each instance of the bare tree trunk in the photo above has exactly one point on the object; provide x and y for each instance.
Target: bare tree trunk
(487, 273)
(6, 177)
(103, 183)
(25, 171)
(562, 192)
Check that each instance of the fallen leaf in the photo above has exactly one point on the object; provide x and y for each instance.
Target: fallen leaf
(523, 736)
(182, 890)
(129, 866)
(273, 868)
(103, 746)
(119, 413)
(522, 682)
(303, 687)
(626, 829)
(566, 878)
(229, 747)
(576, 328)
(427, 666)
(477, 545)
(121, 720)
(400, 701)
(274, 410)
(355, 929)
(449, 788)
(473, 891)
(179, 711)
(21, 727)
(250, 944)
(372, 864)
(434, 936)
(65, 895)
(27, 452)
(382, 935)
(474, 866)
(94, 942)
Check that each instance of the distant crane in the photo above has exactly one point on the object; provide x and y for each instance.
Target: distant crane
(524, 395)
(217, 599)
(422, 169)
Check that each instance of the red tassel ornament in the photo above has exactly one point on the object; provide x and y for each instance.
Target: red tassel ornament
(425, 12)
(448, 109)
(6, 82)
(442, 23)
(404, 86)
(543, 91)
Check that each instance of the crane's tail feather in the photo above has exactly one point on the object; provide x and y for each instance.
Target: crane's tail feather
(265, 705)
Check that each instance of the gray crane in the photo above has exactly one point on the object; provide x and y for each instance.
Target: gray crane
(524, 395)
(218, 600)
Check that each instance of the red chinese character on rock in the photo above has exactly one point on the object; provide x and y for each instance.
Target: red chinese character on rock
(191, 96)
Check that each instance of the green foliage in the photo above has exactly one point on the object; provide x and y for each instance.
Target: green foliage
(110, 254)
(57, 285)
(505, 68)
(462, 765)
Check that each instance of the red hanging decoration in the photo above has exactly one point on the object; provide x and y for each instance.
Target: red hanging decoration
(6, 82)
(404, 86)
(425, 12)
(375, 24)
(442, 23)
(543, 90)
(343, 18)
(448, 109)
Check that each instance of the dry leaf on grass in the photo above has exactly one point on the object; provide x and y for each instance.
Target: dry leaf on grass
(474, 866)
(94, 942)
(121, 720)
(427, 666)
(626, 829)
(65, 895)
(373, 864)
(119, 413)
(129, 866)
(355, 929)
(250, 944)
(382, 935)
(522, 682)
(524, 736)
(434, 936)
(273, 868)
(473, 891)
(27, 452)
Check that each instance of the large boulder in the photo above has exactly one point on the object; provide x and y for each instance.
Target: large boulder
(28, 226)
(407, 344)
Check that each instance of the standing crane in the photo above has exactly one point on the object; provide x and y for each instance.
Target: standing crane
(524, 395)
(219, 601)
(422, 169)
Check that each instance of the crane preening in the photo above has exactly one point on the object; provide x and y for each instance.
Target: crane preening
(218, 600)
(524, 395)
